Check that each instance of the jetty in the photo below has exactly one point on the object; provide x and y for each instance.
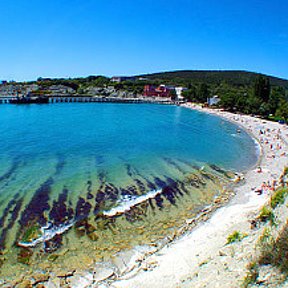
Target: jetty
(85, 99)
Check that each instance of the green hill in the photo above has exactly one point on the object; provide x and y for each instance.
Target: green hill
(235, 78)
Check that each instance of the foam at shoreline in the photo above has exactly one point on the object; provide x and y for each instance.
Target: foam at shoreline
(48, 233)
(127, 202)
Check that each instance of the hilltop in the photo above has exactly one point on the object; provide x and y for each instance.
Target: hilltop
(215, 77)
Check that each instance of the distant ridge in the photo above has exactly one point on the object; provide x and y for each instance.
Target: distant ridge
(233, 77)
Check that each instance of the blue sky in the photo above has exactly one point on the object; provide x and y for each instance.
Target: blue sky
(108, 37)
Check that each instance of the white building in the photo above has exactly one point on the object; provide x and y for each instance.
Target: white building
(179, 91)
(213, 100)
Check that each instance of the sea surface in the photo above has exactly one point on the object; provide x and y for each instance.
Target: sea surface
(92, 179)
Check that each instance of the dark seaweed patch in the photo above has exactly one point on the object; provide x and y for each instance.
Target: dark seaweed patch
(140, 185)
(129, 170)
(101, 176)
(217, 169)
(173, 164)
(159, 201)
(12, 169)
(60, 213)
(99, 160)
(159, 183)
(13, 217)
(60, 165)
(53, 244)
(38, 205)
(89, 190)
(111, 192)
(82, 209)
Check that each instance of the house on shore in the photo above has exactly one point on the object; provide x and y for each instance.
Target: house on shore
(179, 91)
(61, 89)
(160, 91)
(213, 100)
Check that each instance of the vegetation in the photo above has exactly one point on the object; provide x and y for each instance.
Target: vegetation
(266, 214)
(31, 234)
(275, 252)
(231, 78)
(252, 275)
(278, 197)
(236, 236)
(239, 91)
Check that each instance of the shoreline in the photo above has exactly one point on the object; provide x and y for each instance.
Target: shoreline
(170, 261)
(177, 260)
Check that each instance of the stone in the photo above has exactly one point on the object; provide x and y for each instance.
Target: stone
(103, 274)
(221, 253)
(93, 236)
(25, 284)
(52, 257)
(64, 274)
(80, 282)
(40, 278)
(53, 283)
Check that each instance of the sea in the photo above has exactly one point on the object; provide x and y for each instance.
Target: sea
(81, 182)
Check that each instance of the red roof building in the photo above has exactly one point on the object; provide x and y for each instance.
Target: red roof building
(160, 91)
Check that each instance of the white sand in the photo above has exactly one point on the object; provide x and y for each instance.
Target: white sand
(173, 265)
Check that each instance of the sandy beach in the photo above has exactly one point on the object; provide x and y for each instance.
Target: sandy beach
(179, 264)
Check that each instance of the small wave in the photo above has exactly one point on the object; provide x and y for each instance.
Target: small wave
(127, 202)
(48, 233)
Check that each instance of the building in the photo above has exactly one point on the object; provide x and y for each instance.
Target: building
(160, 91)
(119, 79)
(61, 89)
(179, 91)
(213, 100)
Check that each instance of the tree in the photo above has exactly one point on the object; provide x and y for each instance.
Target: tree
(262, 88)
(190, 94)
(228, 100)
(202, 92)
(173, 94)
(276, 96)
(282, 111)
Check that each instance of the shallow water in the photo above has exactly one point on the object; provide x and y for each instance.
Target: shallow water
(78, 169)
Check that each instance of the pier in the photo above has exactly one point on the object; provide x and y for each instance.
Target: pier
(92, 99)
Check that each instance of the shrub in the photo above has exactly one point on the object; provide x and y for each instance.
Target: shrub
(252, 274)
(278, 197)
(236, 236)
(275, 252)
(266, 214)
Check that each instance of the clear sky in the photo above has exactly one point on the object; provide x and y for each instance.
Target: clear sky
(60, 38)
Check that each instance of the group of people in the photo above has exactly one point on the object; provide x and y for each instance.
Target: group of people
(266, 187)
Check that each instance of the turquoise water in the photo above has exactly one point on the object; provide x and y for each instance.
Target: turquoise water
(113, 134)
(60, 163)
